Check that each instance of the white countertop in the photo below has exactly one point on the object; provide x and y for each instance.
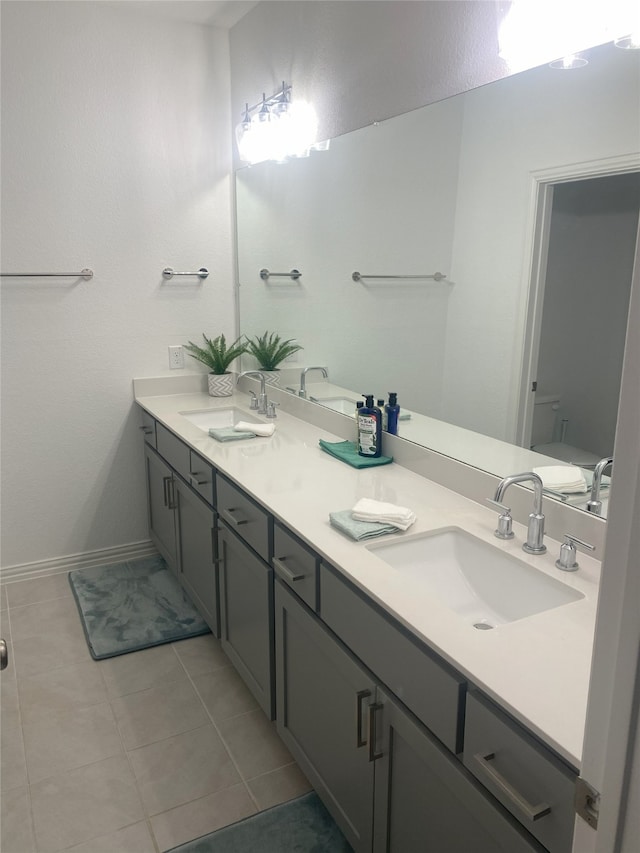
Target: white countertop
(537, 668)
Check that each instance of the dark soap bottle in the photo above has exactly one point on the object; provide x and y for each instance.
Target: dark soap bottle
(369, 429)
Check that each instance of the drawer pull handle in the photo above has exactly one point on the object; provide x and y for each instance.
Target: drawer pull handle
(165, 491)
(193, 479)
(361, 695)
(236, 522)
(373, 733)
(285, 572)
(146, 430)
(530, 812)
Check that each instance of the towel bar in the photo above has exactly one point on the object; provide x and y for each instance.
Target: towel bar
(294, 274)
(168, 272)
(358, 276)
(85, 273)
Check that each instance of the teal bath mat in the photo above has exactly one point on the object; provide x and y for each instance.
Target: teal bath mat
(300, 826)
(132, 606)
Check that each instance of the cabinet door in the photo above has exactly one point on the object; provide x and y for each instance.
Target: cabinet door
(195, 522)
(324, 699)
(246, 615)
(427, 802)
(160, 505)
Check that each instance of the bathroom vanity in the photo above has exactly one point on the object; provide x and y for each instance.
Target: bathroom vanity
(417, 730)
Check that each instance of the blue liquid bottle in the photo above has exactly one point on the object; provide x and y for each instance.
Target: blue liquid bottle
(392, 410)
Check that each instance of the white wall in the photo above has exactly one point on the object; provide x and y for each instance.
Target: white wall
(115, 156)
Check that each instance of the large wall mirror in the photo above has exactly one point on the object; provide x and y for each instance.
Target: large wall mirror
(524, 194)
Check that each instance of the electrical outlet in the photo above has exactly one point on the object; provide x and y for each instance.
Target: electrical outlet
(176, 358)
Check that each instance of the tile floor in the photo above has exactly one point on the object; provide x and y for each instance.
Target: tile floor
(134, 754)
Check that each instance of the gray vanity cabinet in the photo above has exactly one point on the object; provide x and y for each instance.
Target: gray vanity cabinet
(246, 615)
(160, 506)
(324, 699)
(424, 799)
(195, 524)
(181, 522)
(245, 535)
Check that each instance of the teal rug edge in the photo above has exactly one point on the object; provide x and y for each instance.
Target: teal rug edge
(172, 602)
(302, 825)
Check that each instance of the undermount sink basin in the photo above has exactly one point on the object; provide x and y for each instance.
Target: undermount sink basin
(477, 580)
(207, 419)
(344, 405)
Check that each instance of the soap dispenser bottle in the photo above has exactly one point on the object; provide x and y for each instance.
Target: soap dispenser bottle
(369, 429)
(392, 411)
(383, 415)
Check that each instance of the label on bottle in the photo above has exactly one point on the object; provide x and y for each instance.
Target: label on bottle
(367, 429)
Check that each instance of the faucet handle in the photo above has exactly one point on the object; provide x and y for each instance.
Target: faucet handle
(253, 404)
(503, 530)
(271, 409)
(567, 559)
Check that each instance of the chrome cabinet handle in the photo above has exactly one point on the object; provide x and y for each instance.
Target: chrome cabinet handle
(171, 491)
(236, 522)
(373, 732)
(530, 811)
(194, 481)
(146, 430)
(361, 695)
(4, 655)
(285, 572)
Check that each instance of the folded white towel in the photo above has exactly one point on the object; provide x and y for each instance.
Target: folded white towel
(367, 509)
(256, 429)
(562, 478)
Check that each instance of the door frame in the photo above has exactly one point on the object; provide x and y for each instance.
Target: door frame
(542, 183)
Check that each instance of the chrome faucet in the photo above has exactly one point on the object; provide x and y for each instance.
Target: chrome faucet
(594, 504)
(535, 529)
(262, 399)
(303, 379)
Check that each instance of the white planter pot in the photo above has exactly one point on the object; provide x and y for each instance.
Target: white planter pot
(221, 385)
(272, 377)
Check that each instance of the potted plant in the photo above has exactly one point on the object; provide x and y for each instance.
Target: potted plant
(270, 350)
(217, 355)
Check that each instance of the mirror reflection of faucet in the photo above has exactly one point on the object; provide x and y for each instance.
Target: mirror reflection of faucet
(594, 504)
(303, 379)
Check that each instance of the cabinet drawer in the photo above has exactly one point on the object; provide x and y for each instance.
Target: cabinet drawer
(244, 516)
(528, 779)
(148, 427)
(201, 477)
(429, 687)
(295, 564)
(174, 451)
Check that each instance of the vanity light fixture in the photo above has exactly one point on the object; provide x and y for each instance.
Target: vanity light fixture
(630, 42)
(568, 63)
(277, 129)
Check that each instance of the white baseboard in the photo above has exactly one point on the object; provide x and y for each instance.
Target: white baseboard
(103, 557)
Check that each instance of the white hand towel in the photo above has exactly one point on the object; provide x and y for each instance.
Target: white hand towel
(256, 429)
(562, 478)
(367, 509)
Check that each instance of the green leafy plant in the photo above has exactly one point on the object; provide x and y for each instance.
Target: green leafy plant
(216, 354)
(269, 349)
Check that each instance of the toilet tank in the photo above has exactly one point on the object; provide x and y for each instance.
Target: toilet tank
(545, 415)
